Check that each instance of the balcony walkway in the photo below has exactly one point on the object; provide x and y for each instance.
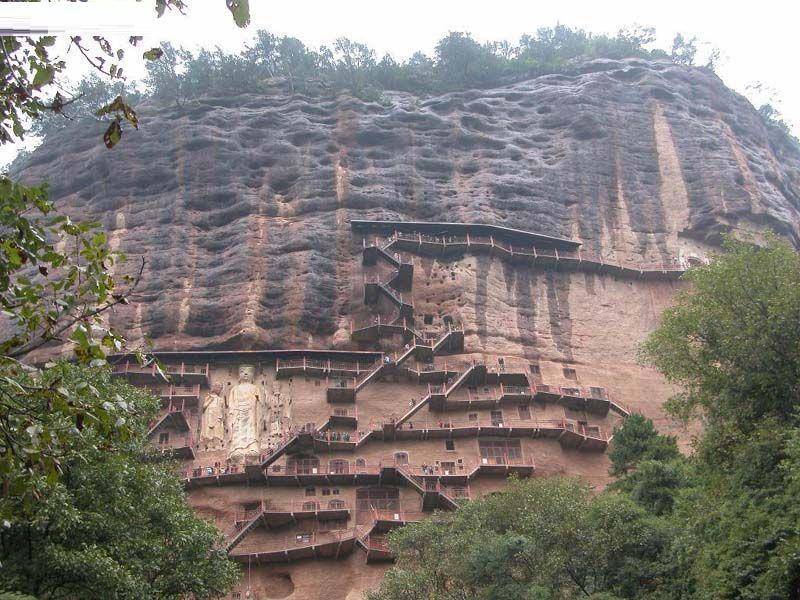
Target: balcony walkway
(288, 548)
(569, 432)
(513, 245)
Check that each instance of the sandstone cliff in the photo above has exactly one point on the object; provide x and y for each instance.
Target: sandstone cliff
(242, 204)
(242, 207)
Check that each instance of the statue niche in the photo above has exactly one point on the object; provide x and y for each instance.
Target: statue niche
(243, 408)
(212, 434)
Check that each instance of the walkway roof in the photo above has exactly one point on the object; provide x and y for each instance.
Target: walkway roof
(513, 236)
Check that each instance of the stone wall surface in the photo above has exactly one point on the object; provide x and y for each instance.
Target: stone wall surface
(242, 207)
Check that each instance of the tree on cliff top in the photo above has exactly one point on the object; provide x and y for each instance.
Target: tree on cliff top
(459, 62)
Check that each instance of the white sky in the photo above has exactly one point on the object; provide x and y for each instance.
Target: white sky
(754, 37)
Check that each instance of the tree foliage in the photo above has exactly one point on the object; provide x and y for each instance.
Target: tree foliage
(115, 524)
(57, 276)
(84, 512)
(459, 62)
(542, 539)
(30, 77)
(637, 440)
(56, 285)
(731, 341)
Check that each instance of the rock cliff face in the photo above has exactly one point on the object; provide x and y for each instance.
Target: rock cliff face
(242, 204)
(242, 207)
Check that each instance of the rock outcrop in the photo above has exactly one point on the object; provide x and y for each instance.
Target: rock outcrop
(241, 205)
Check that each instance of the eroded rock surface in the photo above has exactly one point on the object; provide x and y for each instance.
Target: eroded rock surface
(242, 204)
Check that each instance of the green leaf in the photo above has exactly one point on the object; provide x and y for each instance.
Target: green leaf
(153, 54)
(112, 135)
(240, 9)
(44, 76)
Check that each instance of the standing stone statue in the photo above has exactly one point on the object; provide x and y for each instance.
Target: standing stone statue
(212, 434)
(243, 408)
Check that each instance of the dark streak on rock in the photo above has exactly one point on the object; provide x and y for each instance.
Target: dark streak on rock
(558, 307)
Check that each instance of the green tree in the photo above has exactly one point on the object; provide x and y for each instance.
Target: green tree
(115, 524)
(654, 484)
(637, 440)
(55, 286)
(65, 430)
(56, 280)
(684, 50)
(538, 539)
(463, 62)
(355, 64)
(731, 342)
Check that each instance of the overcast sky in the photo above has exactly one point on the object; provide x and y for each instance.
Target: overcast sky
(754, 37)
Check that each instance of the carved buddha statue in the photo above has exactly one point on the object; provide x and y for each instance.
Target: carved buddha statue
(243, 408)
(212, 433)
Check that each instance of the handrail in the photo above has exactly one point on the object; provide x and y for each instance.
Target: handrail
(346, 467)
(377, 542)
(210, 471)
(282, 543)
(182, 369)
(325, 365)
(294, 506)
(174, 391)
(537, 253)
(357, 467)
(506, 422)
(175, 441)
(341, 411)
(340, 436)
(396, 515)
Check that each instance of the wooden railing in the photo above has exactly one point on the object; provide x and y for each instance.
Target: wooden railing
(175, 391)
(185, 440)
(398, 516)
(294, 506)
(377, 542)
(325, 366)
(345, 467)
(348, 413)
(504, 422)
(179, 370)
(590, 392)
(211, 471)
(533, 252)
(457, 492)
(282, 543)
(340, 436)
